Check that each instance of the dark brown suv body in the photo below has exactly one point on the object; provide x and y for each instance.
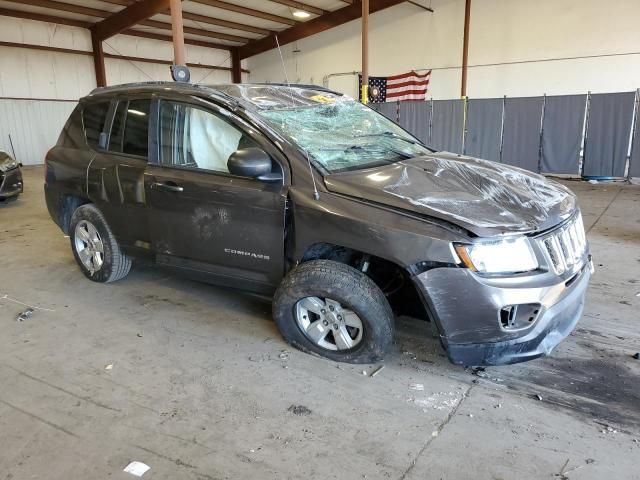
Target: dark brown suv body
(232, 185)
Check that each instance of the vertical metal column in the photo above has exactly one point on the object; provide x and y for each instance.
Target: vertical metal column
(431, 123)
(465, 110)
(544, 106)
(465, 48)
(98, 61)
(177, 32)
(632, 139)
(236, 66)
(364, 94)
(504, 103)
(585, 135)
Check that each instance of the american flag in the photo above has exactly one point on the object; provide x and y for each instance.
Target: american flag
(398, 88)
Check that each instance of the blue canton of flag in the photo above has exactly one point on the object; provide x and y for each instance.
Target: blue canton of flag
(377, 89)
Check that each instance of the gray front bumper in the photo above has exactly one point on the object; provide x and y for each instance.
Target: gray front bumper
(11, 183)
(466, 309)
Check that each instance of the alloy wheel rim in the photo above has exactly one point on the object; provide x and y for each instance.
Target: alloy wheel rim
(328, 324)
(89, 246)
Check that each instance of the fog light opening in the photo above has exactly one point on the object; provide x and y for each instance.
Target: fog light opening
(518, 317)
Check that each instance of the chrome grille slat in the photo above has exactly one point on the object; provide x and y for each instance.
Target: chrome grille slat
(566, 245)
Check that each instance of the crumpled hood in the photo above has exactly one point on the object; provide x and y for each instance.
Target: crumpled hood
(486, 198)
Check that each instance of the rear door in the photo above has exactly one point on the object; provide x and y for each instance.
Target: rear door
(116, 179)
(204, 219)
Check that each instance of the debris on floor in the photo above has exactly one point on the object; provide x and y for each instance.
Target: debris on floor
(137, 468)
(537, 397)
(284, 355)
(24, 315)
(109, 367)
(636, 355)
(300, 410)
(32, 307)
(479, 372)
(416, 386)
(376, 371)
(437, 401)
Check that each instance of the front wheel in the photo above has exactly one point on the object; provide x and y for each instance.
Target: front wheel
(335, 311)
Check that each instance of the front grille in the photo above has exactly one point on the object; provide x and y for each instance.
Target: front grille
(566, 245)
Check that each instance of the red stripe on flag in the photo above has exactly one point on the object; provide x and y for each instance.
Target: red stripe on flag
(409, 83)
(407, 92)
(410, 74)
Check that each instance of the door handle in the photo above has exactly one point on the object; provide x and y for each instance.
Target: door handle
(171, 186)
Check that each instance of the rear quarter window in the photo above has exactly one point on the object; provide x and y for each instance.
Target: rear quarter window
(136, 128)
(93, 118)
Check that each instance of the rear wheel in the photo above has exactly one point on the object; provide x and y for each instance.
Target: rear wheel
(334, 310)
(95, 248)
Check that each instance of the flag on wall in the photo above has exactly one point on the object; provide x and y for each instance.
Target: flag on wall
(398, 88)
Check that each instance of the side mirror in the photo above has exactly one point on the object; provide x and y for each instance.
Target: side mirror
(250, 162)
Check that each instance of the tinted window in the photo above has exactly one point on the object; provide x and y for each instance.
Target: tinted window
(136, 128)
(93, 117)
(117, 128)
(192, 137)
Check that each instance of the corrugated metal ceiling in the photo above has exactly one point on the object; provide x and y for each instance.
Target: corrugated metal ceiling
(278, 13)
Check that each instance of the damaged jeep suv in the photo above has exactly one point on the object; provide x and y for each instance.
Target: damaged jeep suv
(346, 218)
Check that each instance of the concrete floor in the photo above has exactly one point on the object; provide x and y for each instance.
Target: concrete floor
(202, 383)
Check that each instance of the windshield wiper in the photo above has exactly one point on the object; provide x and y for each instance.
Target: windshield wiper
(360, 148)
(392, 135)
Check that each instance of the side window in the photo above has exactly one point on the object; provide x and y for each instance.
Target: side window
(192, 137)
(117, 128)
(136, 128)
(93, 117)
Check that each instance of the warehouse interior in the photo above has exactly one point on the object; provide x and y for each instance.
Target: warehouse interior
(160, 376)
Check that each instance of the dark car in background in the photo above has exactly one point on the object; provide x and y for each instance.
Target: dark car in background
(10, 177)
(346, 218)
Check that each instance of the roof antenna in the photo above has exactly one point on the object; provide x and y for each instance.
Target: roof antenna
(282, 60)
(316, 195)
(285, 71)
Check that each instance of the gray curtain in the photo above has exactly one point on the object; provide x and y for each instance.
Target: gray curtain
(484, 122)
(448, 117)
(414, 117)
(521, 137)
(610, 118)
(634, 165)
(562, 133)
(389, 109)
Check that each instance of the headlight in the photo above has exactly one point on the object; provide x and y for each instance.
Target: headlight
(8, 164)
(512, 255)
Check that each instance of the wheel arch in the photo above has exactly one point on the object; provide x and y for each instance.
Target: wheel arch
(392, 278)
(69, 203)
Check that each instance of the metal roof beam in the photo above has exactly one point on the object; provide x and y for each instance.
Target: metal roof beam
(316, 25)
(232, 7)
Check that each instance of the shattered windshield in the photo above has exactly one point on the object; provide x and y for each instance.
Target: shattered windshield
(344, 135)
(336, 131)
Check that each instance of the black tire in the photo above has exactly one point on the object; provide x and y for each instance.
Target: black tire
(116, 265)
(353, 290)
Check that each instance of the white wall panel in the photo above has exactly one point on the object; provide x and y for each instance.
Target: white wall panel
(508, 40)
(34, 126)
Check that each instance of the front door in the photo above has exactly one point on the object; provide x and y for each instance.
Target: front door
(204, 219)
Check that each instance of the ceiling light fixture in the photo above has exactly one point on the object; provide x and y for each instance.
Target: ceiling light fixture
(301, 14)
